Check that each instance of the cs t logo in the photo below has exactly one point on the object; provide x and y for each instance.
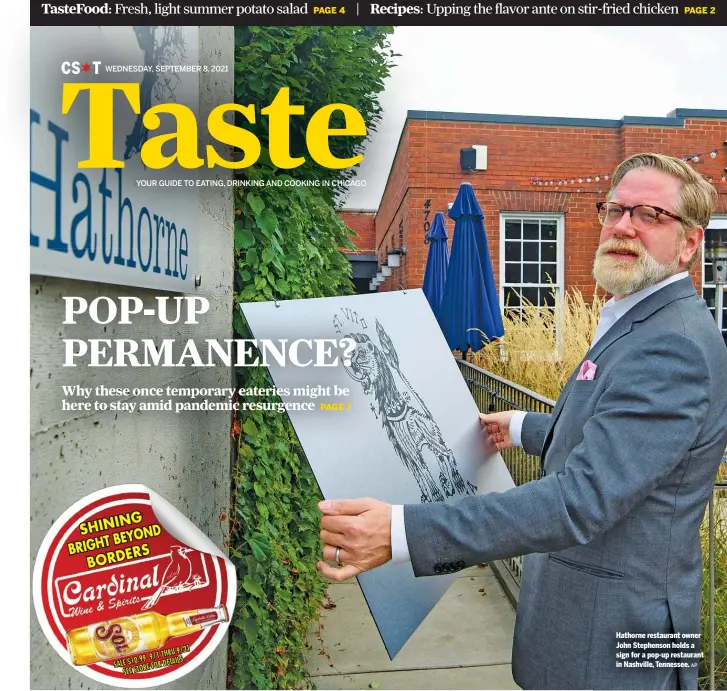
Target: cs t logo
(78, 67)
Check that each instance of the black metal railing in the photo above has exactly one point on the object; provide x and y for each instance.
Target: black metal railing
(495, 394)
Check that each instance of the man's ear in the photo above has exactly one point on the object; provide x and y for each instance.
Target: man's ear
(693, 238)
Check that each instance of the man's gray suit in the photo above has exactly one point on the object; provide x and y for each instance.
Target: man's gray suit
(611, 529)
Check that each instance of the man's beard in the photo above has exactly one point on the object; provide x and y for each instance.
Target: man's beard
(626, 276)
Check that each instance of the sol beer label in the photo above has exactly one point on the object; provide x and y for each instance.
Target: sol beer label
(112, 639)
(129, 591)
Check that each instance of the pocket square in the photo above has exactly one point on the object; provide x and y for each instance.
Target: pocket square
(587, 371)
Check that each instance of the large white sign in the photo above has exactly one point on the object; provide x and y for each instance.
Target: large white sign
(407, 432)
(128, 226)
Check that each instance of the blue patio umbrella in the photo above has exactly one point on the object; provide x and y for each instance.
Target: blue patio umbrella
(437, 259)
(469, 313)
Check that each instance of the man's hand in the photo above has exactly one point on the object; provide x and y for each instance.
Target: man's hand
(362, 530)
(498, 428)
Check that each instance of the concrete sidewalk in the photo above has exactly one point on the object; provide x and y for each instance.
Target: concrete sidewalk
(464, 643)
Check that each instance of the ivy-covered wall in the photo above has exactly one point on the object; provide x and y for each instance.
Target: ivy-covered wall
(288, 243)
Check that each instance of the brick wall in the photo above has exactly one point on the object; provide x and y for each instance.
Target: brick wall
(392, 218)
(427, 167)
(363, 223)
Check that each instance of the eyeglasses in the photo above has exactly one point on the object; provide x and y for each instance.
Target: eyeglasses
(643, 217)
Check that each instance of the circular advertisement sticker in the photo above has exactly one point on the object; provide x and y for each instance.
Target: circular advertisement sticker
(129, 591)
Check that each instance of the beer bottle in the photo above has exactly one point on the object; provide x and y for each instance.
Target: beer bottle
(114, 638)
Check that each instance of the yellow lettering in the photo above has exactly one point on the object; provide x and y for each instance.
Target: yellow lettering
(100, 118)
(234, 136)
(185, 134)
(319, 131)
(279, 112)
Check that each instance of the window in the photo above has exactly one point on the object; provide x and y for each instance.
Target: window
(709, 290)
(531, 260)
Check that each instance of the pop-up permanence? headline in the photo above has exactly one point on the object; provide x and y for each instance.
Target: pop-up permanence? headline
(147, 352)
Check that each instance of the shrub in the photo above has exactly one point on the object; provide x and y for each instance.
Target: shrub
(541, 350)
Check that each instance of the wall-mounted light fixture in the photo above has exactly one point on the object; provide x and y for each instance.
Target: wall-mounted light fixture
(394, 257)
(715, 250)
(386, 270)
(473, 158)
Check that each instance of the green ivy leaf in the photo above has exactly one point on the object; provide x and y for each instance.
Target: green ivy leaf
(260, 680)
(251, 257)
(256, 203)
(244, 237)
(258, 611)
(250, 626)
(259, 545)
(249, 293)
(267, 255)
(267, 221)
(252, 586)
(250, 428)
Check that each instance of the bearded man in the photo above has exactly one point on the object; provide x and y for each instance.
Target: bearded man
(628, 457)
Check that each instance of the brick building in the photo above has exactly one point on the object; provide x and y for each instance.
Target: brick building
(538, 192)
(364, 261)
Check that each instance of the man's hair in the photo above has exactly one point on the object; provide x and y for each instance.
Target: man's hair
(696, 195)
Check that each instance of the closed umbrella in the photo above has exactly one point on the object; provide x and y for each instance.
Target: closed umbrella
(469, 312)
(437, 259)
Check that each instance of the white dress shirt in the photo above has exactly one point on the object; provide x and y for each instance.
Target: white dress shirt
(611, 312)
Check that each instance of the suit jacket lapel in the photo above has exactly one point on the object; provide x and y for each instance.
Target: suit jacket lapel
(639, 312)
(643, 310)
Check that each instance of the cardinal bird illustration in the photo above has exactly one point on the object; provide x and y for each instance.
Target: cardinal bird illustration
(177, 574)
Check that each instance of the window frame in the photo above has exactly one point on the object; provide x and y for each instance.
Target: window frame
(721, 220)
(559, 284)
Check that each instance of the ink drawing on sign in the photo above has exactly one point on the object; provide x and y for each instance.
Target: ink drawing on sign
(406, 430)
(409, 425)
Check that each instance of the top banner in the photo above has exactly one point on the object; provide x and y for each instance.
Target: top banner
(345, 12)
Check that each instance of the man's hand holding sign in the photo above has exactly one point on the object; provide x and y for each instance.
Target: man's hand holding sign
(357, 535)
(357, 532)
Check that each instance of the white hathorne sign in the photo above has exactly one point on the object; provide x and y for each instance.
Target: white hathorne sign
(129, 226)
